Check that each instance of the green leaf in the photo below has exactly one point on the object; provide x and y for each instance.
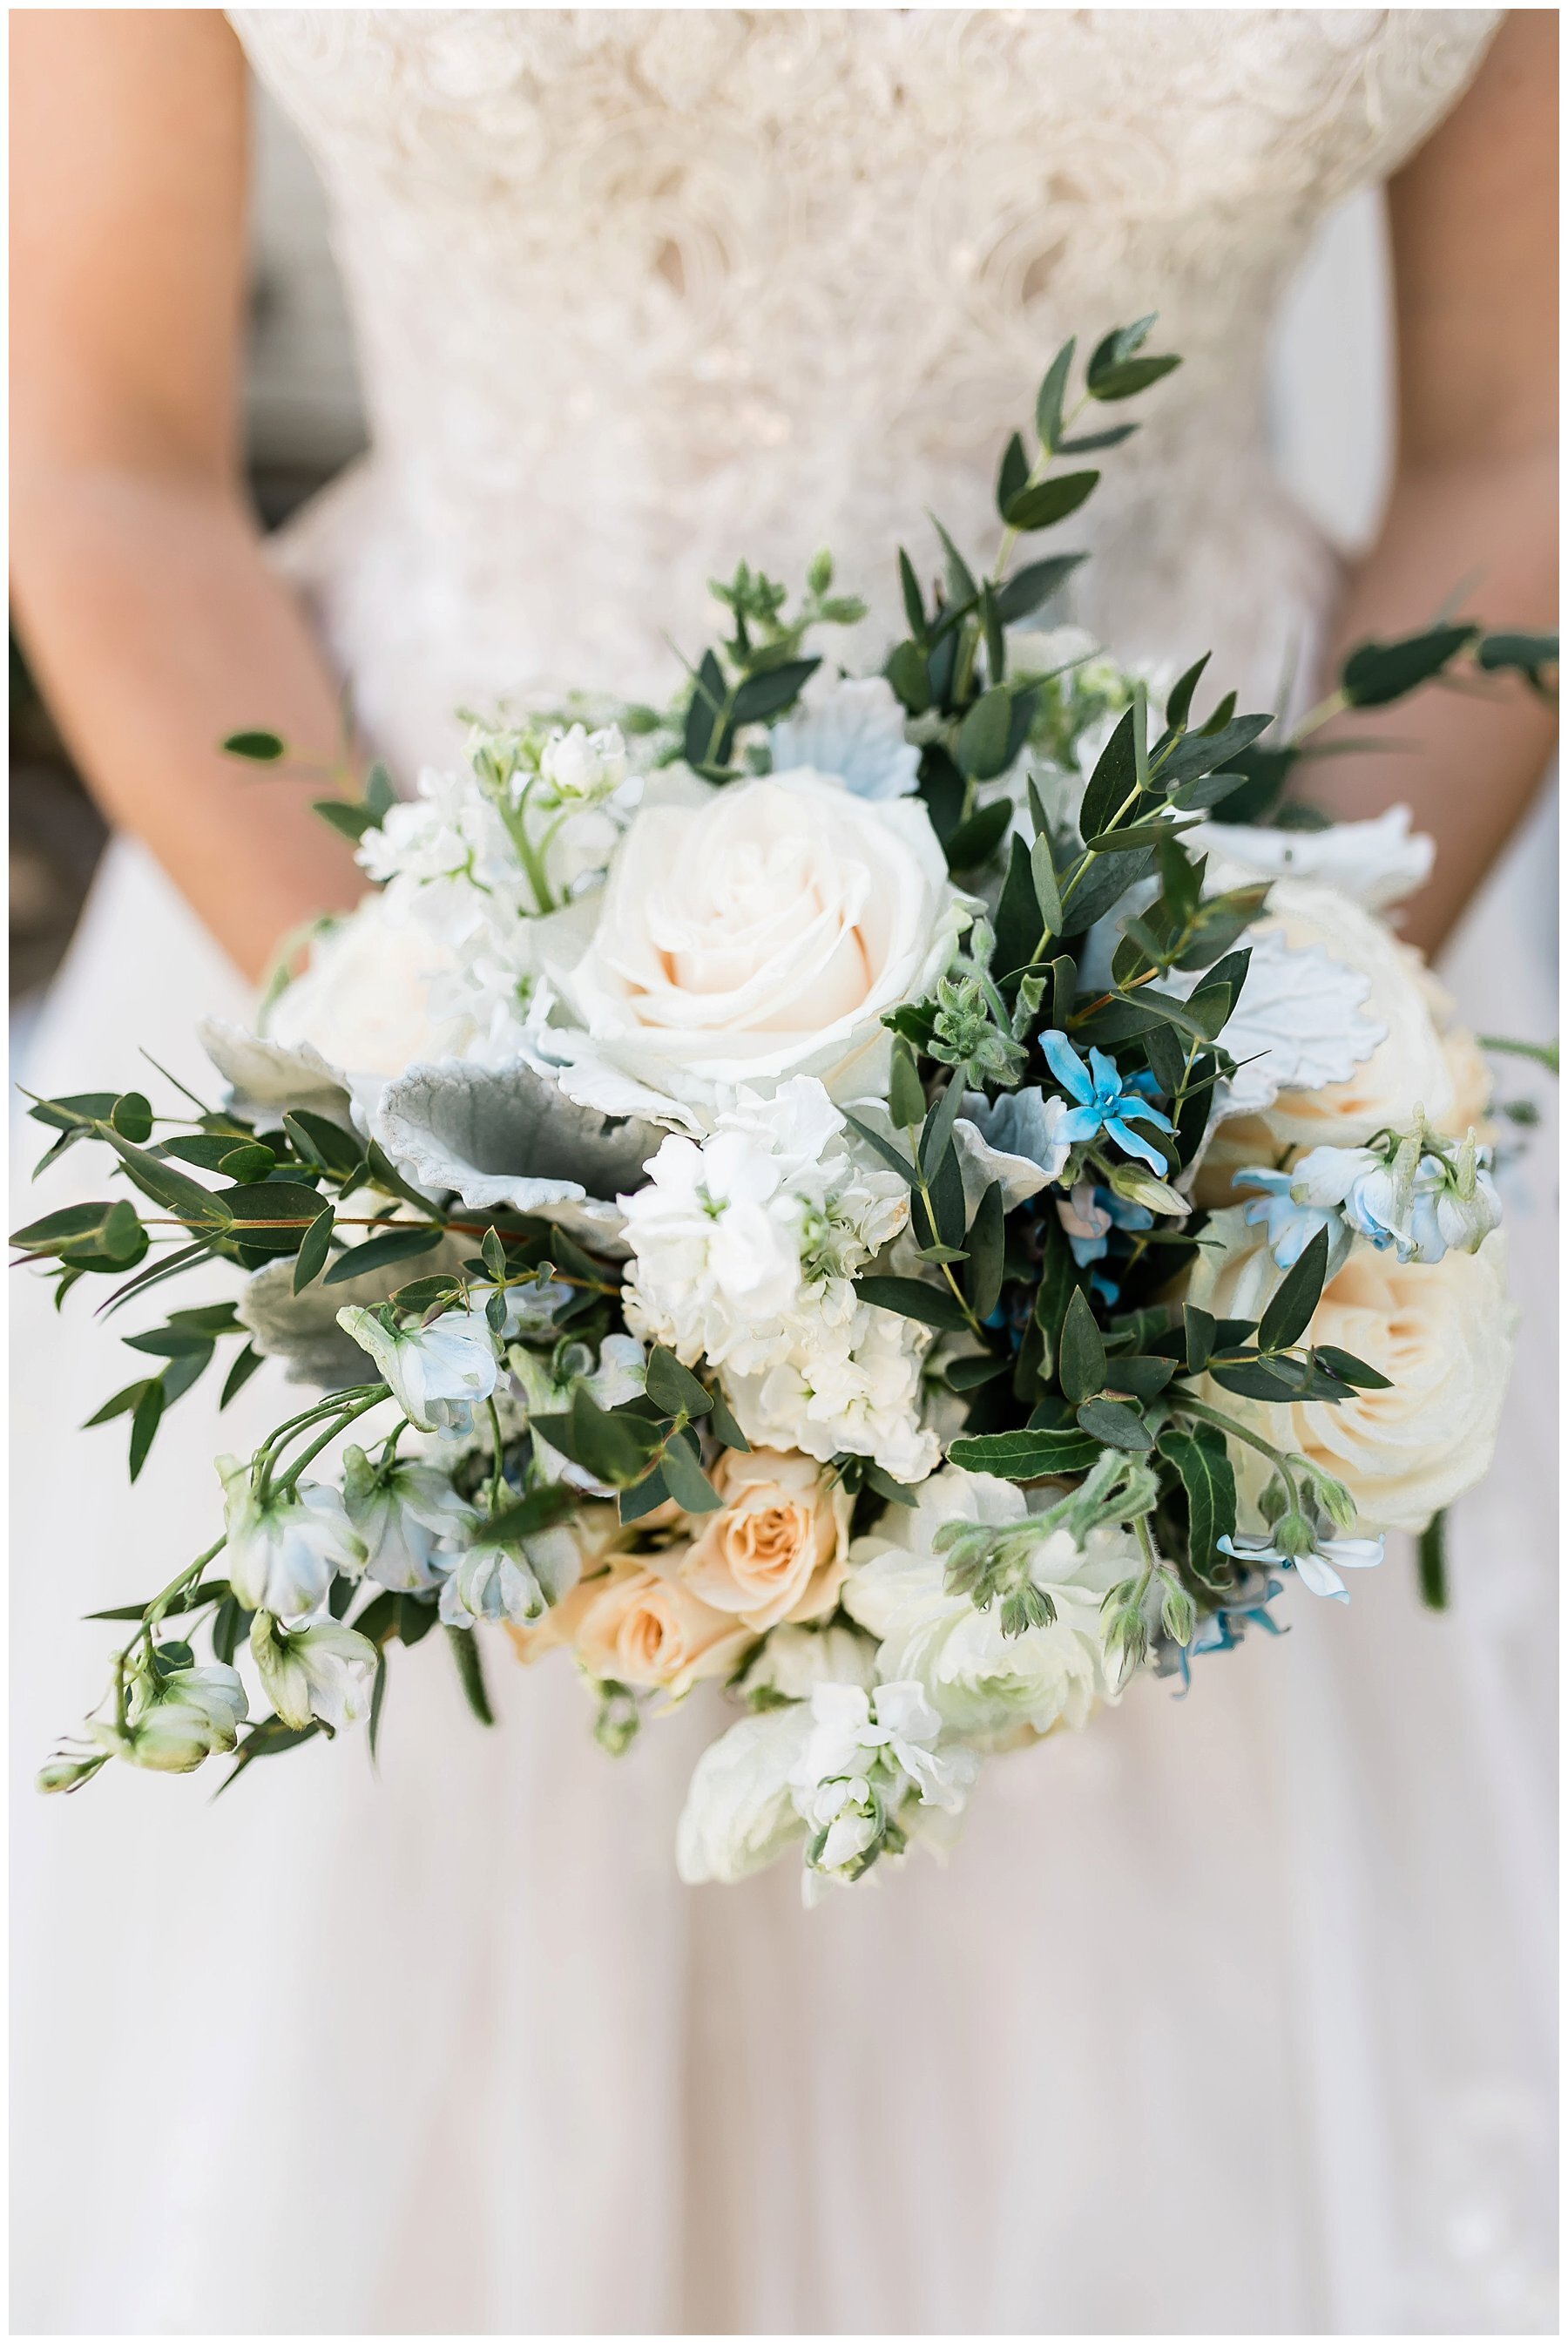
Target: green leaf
(132, 1118)
(313, 1250)
(272, 1216)
(1017, 915)
(643, 1496)
(1379, 673)
(906, 1091)
(976, 841)
(145, 1419)
(1022, 594)
(615, 1445)
(914, 602)
(322, 1142)
(689, 1484)
(1080, 1362)
(1289, 1314)
(1126, 380)
(937, 1133)
(120, 1405)
(982, 1273)
(981, 1368)
(1113, 784)
(240, 1373)
(771, 690)
(1050, 501)
(260, 748)
(911, 1298)
(881, 1145)
(538, 1509)
(1199, 1330)
(721, 1424)
(1115, 1424)
(1052, 395)
(1090, 443)
(1179, 706)
(1206, 1475)
(1047, 892)
(909, 678)
(465, 1645)
(1138, 1378)
(350, 821)
(1431, 1556)
(673, 1388)
(1024, 1456)
(960, 577)
(1350, 1370)
(181, 1196)
(107, 1236)
(380, 1253)
(1101, 886)
(980, 748)
(1013, 476)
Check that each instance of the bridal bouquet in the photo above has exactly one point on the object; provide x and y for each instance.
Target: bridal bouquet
(919, 1198)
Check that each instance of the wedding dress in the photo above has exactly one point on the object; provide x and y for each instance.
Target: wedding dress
(1233, 2014)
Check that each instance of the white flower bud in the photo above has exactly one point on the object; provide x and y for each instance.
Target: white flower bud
(175, 1722)
(283, 1550)
(438, 1372)
(491, 1582)
(322, 1671)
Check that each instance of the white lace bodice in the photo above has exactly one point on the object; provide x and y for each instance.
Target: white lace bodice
(640, 292)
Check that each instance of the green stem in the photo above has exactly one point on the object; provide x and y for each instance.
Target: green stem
(1185, 1405)
(345, 1419)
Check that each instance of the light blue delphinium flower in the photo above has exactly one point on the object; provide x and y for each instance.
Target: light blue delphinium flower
(1104, 1102)
(1318, 1568)
(1293, 1226)
(853, 728)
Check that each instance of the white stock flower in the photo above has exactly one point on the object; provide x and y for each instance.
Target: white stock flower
(745, 934)
(866, 1755)
(742, 1244)
(983, 1683)
(741, 1812)
(283, 1550)
(853, 729)
(409, 1519)
(1442, 1333)
(321, 1670)
(581, 767)
(437, 1373)
(852, 1385)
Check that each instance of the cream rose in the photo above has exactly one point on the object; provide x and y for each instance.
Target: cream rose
(647, 1628)
(1442, 1333)
(1421, 1061)
(370, 1000)
(745, 934)
(776, 1550)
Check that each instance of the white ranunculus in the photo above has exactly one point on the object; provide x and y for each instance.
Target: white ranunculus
(321, 1670)
(1378, 862)
(283, 1552)
(985, 1685)
(438, 1372)
(411, 1519)
(794, 1659)
(1442, 1333)
(745, 934)
(739, 1812)
(851, 727)
(1414, 1065)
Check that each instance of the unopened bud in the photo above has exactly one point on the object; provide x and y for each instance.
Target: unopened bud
(1137, 1186)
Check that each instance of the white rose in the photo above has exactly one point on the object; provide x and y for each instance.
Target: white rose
(370, 1000)
(793, 1661)
(739, 1812)
(1442, 1333)
(983, 1684)
(1415, 1065)
(745, 934)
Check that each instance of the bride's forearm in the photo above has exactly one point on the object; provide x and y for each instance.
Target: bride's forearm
(1483, 535)
(157, 628)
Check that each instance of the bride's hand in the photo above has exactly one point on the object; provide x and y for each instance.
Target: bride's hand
(139, 585)
(1474, 506)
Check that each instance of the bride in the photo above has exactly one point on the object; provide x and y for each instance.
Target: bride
(1232, 2016)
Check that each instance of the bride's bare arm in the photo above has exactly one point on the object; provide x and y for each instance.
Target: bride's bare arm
(154, 623)
(1474, 498)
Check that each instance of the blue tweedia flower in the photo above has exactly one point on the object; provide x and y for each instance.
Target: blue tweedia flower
(1104, 1103)
(1089, 1214)
(1221, 1631)
(1292, 1226)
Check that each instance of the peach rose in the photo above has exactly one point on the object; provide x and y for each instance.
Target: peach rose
(776, 1550)
(645, 1628)
(599, 1537)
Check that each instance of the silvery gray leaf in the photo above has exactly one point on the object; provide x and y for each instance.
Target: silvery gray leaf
(302, 1329)
(264, 1074)
(512, 1138)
